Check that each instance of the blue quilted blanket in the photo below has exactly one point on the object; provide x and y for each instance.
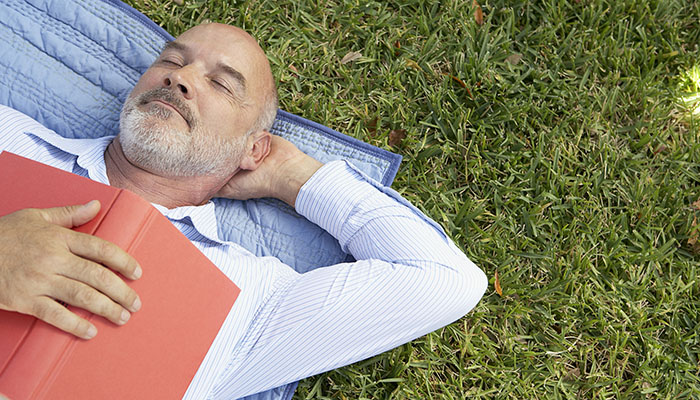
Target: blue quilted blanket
(71, 64)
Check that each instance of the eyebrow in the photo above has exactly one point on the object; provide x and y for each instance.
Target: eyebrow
(235, 75)
(172, 45)
(238, 78)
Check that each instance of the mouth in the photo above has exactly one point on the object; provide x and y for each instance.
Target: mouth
(161, 102)
(167, 105)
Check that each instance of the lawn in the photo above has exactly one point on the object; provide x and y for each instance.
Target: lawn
(558, 143)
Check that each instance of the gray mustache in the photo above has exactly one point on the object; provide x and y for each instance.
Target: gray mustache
(168, 96)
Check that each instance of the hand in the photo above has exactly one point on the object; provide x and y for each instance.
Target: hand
(43, 261)
(281, 174)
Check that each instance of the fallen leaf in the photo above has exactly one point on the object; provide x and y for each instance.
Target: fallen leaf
(478, 13)
(372, 125)
(397, 44)
(573, 374)
(696, 205)
(179, 2)
(294, 69)
(660, 149)
(351, 56)
(514, 58)
(396, 137)
(497, 284)
(694, 237)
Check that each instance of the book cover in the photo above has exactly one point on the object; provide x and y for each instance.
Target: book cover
(156, 354)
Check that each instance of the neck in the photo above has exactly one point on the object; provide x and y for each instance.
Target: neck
(168, 191)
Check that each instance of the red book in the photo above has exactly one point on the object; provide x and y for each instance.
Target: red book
(156, 354)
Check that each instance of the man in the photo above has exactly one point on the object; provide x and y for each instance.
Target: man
(194, 127)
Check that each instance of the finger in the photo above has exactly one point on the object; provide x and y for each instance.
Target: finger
(49, 311)
(107, 282)
(105, 253)
(71, 216)
(81, 295)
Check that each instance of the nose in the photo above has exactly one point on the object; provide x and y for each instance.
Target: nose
(179, 81)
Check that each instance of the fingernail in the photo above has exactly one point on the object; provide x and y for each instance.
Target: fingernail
(89, 203)
(136, 305)
(92, 331)
(137, 272)
(125, 317)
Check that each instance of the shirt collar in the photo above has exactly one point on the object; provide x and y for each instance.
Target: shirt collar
(90, 156)
(203, 218)
(89, 152)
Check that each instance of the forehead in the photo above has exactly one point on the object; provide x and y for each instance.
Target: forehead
(220, 37)
(218, 44)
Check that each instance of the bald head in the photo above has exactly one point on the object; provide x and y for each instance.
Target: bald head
(256, 78)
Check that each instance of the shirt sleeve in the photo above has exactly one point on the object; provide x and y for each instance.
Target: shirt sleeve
(409, 279)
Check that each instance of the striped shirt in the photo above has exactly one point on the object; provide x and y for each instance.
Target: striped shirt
(410, 279)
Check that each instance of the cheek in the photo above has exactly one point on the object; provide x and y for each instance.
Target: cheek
(216, 114)
(227, 117)
(148, 80)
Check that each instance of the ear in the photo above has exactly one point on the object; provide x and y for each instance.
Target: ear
(257, 148)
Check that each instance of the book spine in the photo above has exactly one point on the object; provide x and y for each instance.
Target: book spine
(37, 358)
(44, 351)
(31, 347)
(123, 223)
(13, 338)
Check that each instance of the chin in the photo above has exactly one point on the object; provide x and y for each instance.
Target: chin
(156, 147)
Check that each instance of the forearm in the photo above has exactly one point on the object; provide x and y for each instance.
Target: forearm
(374, 222)
(409, 280)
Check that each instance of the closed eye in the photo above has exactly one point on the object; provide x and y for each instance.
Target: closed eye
(171, 62)
(221, 85)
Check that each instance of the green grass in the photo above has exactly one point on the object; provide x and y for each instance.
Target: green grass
(568, 162)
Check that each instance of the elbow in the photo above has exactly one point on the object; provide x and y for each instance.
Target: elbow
(459, 291)
(470, 284)
(475, 282)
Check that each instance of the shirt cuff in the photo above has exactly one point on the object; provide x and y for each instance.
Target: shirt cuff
(330, 195)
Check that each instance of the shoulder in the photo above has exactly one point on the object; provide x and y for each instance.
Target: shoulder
(23, 135)
(16, 129)
(13, 122)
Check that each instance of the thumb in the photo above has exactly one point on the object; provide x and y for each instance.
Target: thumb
(71, 216)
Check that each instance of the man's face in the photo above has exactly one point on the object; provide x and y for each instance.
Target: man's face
(189, 113)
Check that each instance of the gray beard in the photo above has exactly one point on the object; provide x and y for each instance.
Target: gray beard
(149, 143)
